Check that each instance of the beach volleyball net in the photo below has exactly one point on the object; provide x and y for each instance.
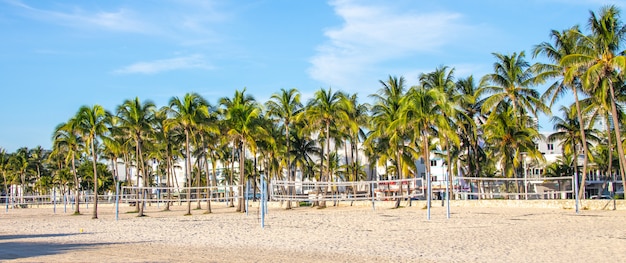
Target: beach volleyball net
(309, 191)
(514, 188)
(224, 193)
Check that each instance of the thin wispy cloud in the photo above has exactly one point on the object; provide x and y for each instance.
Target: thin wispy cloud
(157, 66)
(120, 20)
(187, 22)
(374, 34)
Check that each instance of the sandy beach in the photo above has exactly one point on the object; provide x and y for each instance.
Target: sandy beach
(304, 234)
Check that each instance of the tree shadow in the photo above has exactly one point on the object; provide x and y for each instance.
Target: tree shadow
(23, 249)
(8, 237)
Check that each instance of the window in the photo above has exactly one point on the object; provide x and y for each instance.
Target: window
(550, 147)
(433, 163)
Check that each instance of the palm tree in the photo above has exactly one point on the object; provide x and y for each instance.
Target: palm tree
(566, 43)
(186, 114)
(323, 111)
(598, 107)
(67, 139)
(286, 106)
(602, 62)
(511, 84)
(385, 110)
(508, 139)
(136, 119)
(424, 111)
(4, 160)
(570, 136)
(208, 131)
(242, 114)
(92, 123)
(357, 120)
(470, 121)
(443, 79)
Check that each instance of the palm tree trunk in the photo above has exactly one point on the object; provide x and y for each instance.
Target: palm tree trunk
(584, 144)
(610, 147)
(198, 164)
(76, 185)
(187, 171)
(208, 181)
(168, 180)
(241, 203)
(292, 179)
(618, 133)
(95, 180)
(139, 158)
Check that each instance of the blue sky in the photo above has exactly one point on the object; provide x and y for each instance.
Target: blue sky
(59, 55)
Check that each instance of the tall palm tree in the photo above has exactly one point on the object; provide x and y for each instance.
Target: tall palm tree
(385, 110)
(602, 62)
(566, 43)
(67, 139)
(92, 123)
(357, 120)
(242, 114)
(598, 107)
(507, 139)
(186, 114)
(323, 111)
(424, 111)
(285, 106)
(470, 122)
(137, 118)
(568, 133)
(443, 79)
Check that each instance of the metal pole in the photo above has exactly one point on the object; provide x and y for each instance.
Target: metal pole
(54, 200)
(373, 203)
(263, 204)
(117, 201)
(613, 192)
(576, 189)
(525, 178)
(428, 198)
(246, 195)
(447, 194)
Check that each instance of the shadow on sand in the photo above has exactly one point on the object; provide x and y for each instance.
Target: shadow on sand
(24, 249)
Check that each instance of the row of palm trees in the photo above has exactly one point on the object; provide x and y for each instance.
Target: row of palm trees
(481, 128)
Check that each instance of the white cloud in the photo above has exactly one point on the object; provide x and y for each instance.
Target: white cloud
(122, 20)
(152, 67)
(371, 35)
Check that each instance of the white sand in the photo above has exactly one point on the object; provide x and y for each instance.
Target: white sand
(334, 234)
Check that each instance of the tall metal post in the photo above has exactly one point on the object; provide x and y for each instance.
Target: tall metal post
(117, 200)
(429, 196)
(263, 202)
(54, 200)
(447, 194)
(576, 189)
(525, 177)
(245, 187)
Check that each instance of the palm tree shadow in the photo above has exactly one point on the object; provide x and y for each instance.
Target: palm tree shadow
(23, 249)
